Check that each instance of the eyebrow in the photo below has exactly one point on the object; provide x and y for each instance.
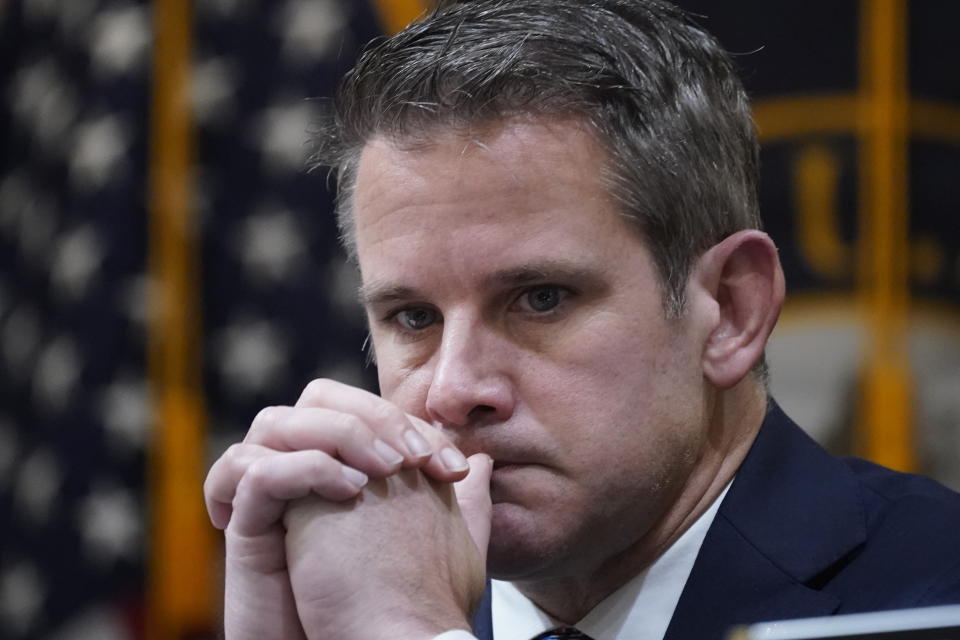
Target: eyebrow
(379, 292)
(541, 271)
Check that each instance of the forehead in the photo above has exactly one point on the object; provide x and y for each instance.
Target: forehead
(519, 152)
(516, 183)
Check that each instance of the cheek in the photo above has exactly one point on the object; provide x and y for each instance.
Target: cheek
(607, 358)
(405, 387)
(400, 370)
(619, 391)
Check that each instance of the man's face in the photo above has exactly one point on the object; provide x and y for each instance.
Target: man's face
(509, 301)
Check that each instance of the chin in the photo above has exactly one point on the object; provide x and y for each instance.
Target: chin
(523, 547)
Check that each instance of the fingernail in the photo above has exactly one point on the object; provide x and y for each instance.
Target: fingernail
(453, 460)
(357, 478)
(417, 445)
(387, 453)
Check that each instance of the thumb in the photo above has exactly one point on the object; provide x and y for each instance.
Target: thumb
(473, 496)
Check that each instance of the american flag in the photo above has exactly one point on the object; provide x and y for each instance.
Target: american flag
(277, 298)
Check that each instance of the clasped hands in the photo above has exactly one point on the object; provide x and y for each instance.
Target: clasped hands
(341, 521)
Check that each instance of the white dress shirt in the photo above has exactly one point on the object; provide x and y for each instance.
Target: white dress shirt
(639, 610)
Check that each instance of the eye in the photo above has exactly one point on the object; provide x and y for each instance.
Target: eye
(542, 299)
(416, 319)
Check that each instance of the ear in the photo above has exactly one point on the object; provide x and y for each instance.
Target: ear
(743, 276)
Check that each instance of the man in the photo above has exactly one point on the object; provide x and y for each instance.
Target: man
(553, 207)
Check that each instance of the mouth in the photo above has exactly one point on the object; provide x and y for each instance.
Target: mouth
(504, 457)
(505, 465)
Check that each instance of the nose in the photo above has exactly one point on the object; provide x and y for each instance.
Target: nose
(470, 381)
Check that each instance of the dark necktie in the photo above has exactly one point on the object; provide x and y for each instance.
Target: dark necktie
(563, 633)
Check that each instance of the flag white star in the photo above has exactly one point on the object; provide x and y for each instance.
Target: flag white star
(119, 40)
(39, 10)
(30, 84)
(251, 355)
(27, 215)
(76, 262)
(134, 299)
(223, 8)
(96, 623)
(282, 132)
(37, 486)
(45, 103)
(56, 375)
(14, 192)
(21, 595)
(99, 146)
(110, 523)
(20, 340)
(214, 85)
(309, 27)
(75, 17)
(37, 229)
(56, 112)
(271, 244)
(125, 411)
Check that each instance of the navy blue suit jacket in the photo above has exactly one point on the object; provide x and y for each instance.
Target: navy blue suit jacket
(801, 533)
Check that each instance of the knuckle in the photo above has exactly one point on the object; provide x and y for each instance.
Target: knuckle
(257, 475)
(263, 416)
(388, 415)
(234, 456)
(352, 424)
(313, 469)
(209, 484)
(316, 390)
(321, 466)
(244, 493)
(260, 422)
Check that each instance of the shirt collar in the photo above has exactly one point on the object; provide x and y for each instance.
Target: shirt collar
(639, 610)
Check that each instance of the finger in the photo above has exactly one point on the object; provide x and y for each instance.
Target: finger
(443, 461)
(272, 481)
(221, 483)
(387, 421)
(473, 496)
(447, 464)
(342, 435)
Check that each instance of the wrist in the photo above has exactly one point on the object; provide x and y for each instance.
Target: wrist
(259, 606)
(425, 625)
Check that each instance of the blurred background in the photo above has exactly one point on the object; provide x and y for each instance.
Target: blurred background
(167, 268)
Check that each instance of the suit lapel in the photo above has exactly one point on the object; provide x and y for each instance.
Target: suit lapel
(792, 513)
(732, 583)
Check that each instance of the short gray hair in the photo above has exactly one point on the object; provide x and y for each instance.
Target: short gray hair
(659, 91)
